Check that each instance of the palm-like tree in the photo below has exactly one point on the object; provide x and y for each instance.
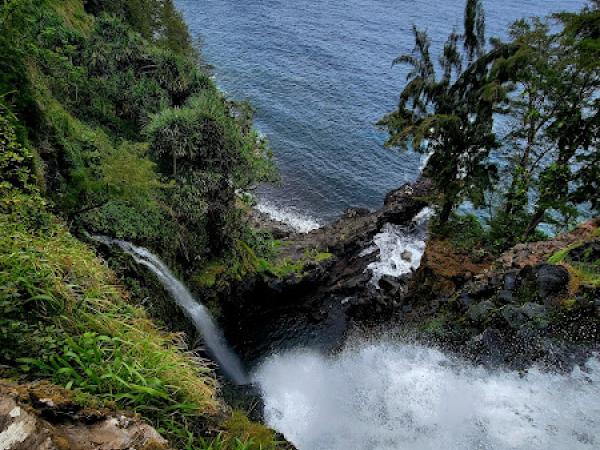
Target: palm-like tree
(449, 114)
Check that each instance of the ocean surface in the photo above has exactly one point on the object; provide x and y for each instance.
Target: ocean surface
(319, 74)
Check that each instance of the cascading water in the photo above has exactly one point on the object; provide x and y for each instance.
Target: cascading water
(400, 247)
(393, 396)
(195, 311)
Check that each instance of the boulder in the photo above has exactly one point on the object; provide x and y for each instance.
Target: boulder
(479, 312)
(505, 297)
(390, 284)
(483, 291)
(511, 281)
(533, 311)
(22, 428)
(464, 301)
(551, 280)
(513, 316)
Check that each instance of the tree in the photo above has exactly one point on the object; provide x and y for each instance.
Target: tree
(174, 33)
(450, 116)
(554, 111)
(474, 38)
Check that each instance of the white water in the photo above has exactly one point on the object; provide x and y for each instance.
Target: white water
(194, 310)
(400, 247)
(390, 396)
(300, 222)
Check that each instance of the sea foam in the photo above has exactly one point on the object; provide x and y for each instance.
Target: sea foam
(300, 222)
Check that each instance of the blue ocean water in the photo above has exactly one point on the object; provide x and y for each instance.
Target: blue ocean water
(318, 73)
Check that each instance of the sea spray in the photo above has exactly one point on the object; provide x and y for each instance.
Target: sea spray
(396, 396)
(212, 336)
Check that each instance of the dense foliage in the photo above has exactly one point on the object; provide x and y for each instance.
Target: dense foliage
(113, 103)
(543, 85)
(108, 124)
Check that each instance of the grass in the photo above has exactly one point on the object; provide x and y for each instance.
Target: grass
(284, 267)
(65, 317)
(102, 344)
(219, 272)
(250, 432)
(581, 273)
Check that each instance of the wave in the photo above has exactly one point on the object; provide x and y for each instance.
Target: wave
(300, 222)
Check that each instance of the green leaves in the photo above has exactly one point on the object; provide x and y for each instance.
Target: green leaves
(547, 81)
(450, 114)
(17, 164)
(474, 37)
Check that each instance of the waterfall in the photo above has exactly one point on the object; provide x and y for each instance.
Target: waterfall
(212, 336)
(389, 395)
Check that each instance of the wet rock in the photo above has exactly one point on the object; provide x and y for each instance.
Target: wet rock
(352, 213)
(483, 291)
(390, 284)
(511, 281)
(464, 301)
(407, 255)
(505, 297)
(489, 347)
(402, 204)
(245, 398)
(513, 316)
(533, 311)
(479, 312)
(551, 280)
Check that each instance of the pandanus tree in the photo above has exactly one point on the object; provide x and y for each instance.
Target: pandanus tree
(447, 110)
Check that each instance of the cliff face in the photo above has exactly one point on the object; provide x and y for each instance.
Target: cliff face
(317, 305)
(536, 303)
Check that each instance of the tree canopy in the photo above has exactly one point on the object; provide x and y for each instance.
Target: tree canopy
(543, 84)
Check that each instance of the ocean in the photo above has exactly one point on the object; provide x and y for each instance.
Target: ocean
(319, 75)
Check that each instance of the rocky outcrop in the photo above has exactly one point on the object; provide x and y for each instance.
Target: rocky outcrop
(320, 302)
(517, 310)
(533, 253)
(517, 314)
(42, 417)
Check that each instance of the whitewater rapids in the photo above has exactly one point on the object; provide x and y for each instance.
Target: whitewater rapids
(391, 396)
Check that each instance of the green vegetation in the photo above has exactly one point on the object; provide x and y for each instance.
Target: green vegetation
(466, 232)
(283, 267)
(258, 253)
(136, 140)
(64, 316)
(108, 124)
(584, 269)
(545, 83)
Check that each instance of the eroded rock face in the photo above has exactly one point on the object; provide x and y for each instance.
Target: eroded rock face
(30, 421)
(315, 308)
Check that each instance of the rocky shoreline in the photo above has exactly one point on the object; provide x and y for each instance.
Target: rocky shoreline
(517, 311)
